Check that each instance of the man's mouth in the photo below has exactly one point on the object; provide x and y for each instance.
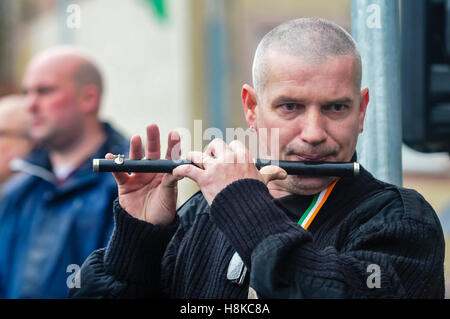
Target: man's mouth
(310, 158)
(36, 121)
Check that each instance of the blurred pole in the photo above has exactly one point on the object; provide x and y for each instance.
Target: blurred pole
(376, 30)
(217, 66)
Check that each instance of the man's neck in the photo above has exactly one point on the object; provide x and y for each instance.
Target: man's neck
(84, 147)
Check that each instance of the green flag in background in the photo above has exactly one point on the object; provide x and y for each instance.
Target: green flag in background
(159, 8)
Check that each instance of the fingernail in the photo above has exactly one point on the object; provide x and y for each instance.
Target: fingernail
(282, 175)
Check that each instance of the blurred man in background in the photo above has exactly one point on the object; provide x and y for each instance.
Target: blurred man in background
(61, 211)
(14, 140)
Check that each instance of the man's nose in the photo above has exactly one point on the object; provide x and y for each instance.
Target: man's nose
(31, 102)
(313, 130)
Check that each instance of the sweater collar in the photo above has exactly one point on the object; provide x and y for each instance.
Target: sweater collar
(348, 190)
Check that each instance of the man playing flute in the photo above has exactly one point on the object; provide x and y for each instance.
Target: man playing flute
(263, 234)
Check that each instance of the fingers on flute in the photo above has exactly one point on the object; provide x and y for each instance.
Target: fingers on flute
(153, 146)
(241, 154)
(198, 158)
(216, 148)
(272, 172)
(191, 171)
(173, 146)
(120, 177)
(136, 148)
(173, 152)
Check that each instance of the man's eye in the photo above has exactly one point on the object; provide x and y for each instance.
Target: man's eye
(289, 106)
(336, 107)
(45, 90)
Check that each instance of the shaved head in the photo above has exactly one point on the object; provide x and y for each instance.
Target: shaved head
(63, 86)
(84, 70)
(311, 39)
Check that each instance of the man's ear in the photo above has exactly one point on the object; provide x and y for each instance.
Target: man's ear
(89, 98)
(363, 102)
(250, 101)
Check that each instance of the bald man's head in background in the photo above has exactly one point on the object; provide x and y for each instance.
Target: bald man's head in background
(14, 140)
(63, 88)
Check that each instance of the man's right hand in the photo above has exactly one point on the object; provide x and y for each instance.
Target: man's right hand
(150, 197)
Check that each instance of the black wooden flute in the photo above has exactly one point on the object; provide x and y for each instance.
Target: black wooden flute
(120, 164)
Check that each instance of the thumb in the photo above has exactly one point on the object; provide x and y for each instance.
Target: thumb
(190, 171)
(170, 181)
(272, 172)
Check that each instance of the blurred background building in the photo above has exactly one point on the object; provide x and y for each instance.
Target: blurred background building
(174, 62)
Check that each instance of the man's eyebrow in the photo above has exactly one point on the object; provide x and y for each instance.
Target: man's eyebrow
(342, 100)
(287, 99)
(39, 88)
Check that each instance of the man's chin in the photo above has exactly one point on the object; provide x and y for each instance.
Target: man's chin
(41, 139)
(38, 133)
(308, 185)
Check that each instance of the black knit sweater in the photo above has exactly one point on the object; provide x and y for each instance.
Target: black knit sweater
(364, 225)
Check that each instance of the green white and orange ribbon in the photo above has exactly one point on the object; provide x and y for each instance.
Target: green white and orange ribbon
(316, 204)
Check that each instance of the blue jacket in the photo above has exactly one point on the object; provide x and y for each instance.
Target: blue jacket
(47, 230)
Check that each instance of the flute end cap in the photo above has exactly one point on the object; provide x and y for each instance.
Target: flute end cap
(356, 168)
(95, 164)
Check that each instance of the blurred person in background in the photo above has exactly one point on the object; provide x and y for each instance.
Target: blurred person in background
(14, 139)
(55, 217)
